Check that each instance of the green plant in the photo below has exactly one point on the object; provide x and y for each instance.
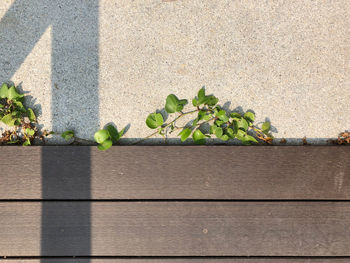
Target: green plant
(21, 120)
(107, 137)
(224, 125)
(68, 135)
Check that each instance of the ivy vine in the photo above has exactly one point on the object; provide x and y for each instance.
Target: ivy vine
(224, 125)
(209, 120)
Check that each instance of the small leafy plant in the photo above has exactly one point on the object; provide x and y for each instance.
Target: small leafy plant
(107, 137)
(14, 114)
(21, 121)
(221, 123)
(68, 135)
(224, 125)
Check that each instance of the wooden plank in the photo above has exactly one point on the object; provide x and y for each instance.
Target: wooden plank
(183, 260)
(176, 172)
(177, 229)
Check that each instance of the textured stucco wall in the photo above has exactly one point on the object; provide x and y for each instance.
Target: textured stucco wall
(90, 62)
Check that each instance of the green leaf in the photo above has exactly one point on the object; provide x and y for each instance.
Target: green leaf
(183, 102)
(219, 123)
(224, 118)
(195, 121)
(224, 137)
(202, 115)
(105, 145)
(30, 132)
(113, 133)
(242, 124)
(216, 110)
(173, 104)
(31, 114)
(101, 136)
(235, 127)
(27, 142)
(218, 132)
(13, 94)
(67, 135)
(201, 93)
(207, 117)
(235, 115)
(184, 134)
(195, 102)
(202, 99)
(4, 91)
(154, 120)
(250, 116)
(222, 115)
(230, 133)
(8, 120)
(212, 100)
(240, 135)
(121, 133)
(213, 128)
(245, 138)
(266, 126)
(251, 138)
(198, 137)
(19, 106)
(16, 114)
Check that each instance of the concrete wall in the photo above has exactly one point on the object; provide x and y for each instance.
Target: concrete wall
(90, 62)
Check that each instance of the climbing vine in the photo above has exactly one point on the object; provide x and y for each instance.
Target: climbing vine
(205, 118)
(223, 124)
(20, 119)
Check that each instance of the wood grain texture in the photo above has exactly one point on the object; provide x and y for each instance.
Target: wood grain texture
(177, 172)
(179, 229)
(183, 260)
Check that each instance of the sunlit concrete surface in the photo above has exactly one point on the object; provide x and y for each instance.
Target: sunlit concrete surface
(88, 63)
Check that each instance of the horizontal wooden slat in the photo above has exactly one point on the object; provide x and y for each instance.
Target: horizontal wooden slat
(175, 229)
(184, 260)
(173, 172)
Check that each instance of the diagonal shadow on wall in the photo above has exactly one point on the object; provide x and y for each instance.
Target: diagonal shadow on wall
(75, 70)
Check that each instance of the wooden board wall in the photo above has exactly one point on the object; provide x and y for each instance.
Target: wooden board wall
(175, 204)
